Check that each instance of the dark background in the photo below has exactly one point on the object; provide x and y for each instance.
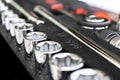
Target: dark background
(12, 68)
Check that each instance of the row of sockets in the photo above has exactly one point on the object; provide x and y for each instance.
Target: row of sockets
(38, 48)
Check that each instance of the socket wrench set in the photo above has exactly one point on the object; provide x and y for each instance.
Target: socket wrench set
(61, 39)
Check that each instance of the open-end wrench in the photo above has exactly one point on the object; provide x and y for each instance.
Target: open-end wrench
(24, 12)
(112, 58)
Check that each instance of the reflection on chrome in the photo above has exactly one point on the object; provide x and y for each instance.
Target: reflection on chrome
(31, 39)
(89, 74)
(4, 14)
(67, 61)
(64, 62)
(49, 47)
(46, 47)
(21, 28)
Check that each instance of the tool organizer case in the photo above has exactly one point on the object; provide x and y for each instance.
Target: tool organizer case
(70, 44)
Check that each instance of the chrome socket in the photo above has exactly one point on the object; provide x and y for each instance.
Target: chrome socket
(8, 19)
(67, 61)
(5, 14)
(64, 62)
(31, 39)
(14, 21)
(43, 49)
(56, 72)
(89, 74)
(3, 7)
(49, 47)
(20, 29)
(93, 19)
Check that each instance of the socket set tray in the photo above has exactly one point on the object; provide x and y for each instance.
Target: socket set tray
(92, 59)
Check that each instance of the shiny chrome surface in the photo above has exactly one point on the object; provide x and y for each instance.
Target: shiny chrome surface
(3, 7)
(64, 62)
(67, 61)
(13, 22)
(20, 28)
(8, 20)
(31, 39)
(89, 74)
(49, 47)
(4, 14)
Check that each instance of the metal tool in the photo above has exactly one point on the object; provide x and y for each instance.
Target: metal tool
(56, 72)
(11, 22)
(30, 41)
(3, 7)
(67, 61)
(49, 47)
(112, 58)
(42, 49)
(24, 12)
(64, 62)
(8, 19)
(21, 28)
(4, 14)
(89, 74)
